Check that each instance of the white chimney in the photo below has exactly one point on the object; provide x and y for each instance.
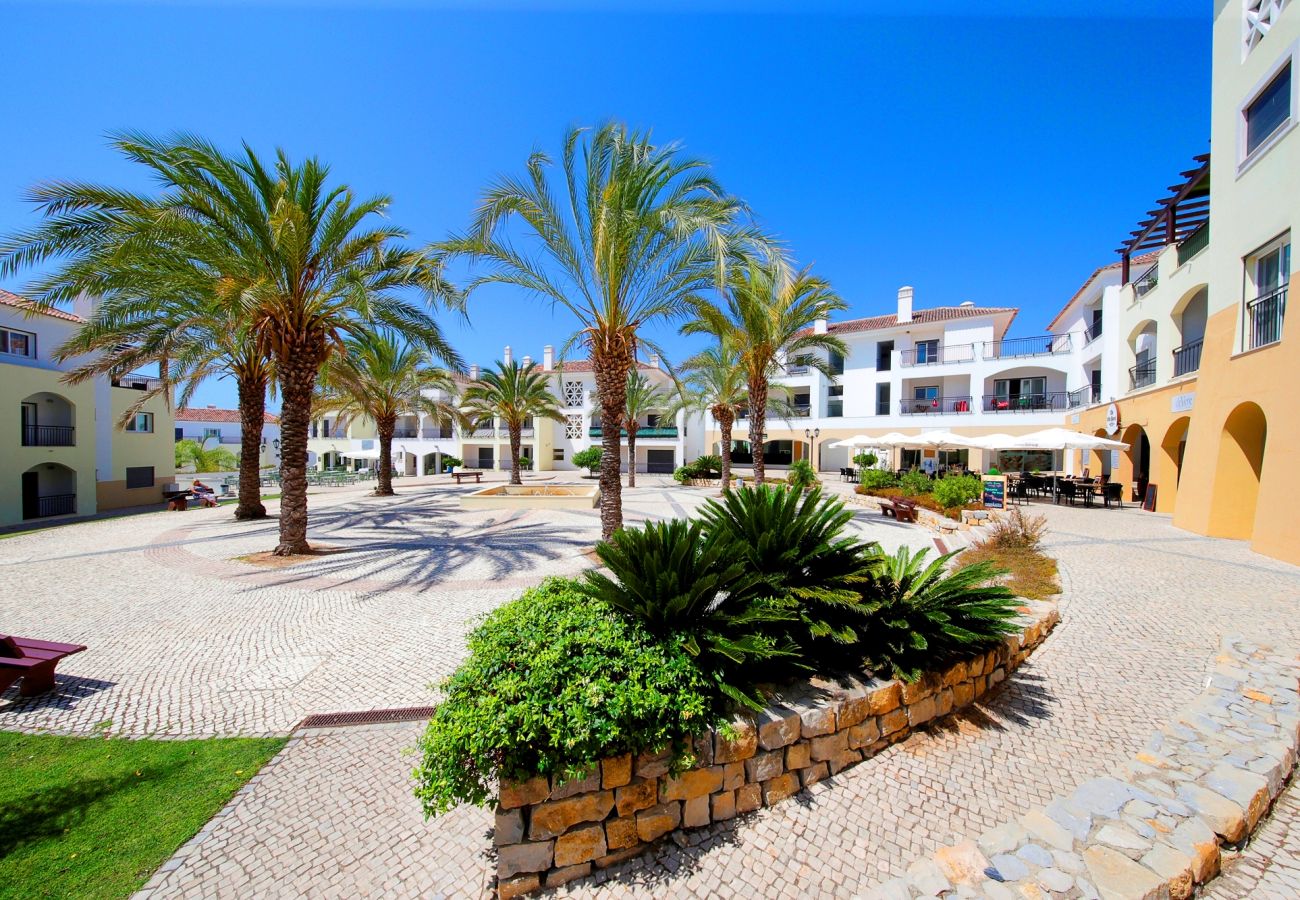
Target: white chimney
(505, 355)
(904, 304)
(473, 372)
(654, 360)
(548, 357)
(819, 326)
(528, 361)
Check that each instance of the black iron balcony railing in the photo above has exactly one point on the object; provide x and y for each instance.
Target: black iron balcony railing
(1085, 396)
(56, 505)
(1187, 358)
(644, 431)
(1092, 332)
(1147, 280)
(1033, 402)
(1264, 317)
(934, 405)
(797, 369)
(406, 432)
(137, 382)
(49, 436)
(1194, 243)
(934, 356)
(1142, 375)
(1047, 345)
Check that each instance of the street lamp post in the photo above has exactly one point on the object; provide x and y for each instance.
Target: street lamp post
(811, 434)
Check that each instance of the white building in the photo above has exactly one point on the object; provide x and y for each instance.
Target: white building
(210, 425)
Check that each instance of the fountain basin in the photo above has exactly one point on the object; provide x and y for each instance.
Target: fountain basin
(533, 496)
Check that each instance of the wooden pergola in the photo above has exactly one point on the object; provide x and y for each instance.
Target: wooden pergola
(1185, 211)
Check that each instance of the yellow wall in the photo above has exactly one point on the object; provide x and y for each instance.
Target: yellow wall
(130, 449)
(21, 382)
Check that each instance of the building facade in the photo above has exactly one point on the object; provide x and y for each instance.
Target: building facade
(72, 454)
(212, 426)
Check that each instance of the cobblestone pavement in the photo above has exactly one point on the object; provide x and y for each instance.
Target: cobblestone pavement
(1269, 867)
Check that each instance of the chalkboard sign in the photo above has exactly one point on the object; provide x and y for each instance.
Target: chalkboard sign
(995, 491)
(1149, 501)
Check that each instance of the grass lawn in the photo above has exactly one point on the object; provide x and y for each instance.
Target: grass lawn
(1030, 573)
(94, 817)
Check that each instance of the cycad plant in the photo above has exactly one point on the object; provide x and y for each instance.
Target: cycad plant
(514, 394)
(630, 235)
(381, 377)
(713, 381)
(681, 582)
(918, 615)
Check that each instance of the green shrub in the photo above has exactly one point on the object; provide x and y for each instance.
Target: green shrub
(957, 490)
(915, 482)
(993, 470)
(553, 683)
(453, 461)
(588, 459)
(679, 582)
(682, 474)
(707, 466)
(801, 475)
(919, 617)
(866, 460)
(877, 479)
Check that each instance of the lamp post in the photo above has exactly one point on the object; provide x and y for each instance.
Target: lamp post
(811, 434)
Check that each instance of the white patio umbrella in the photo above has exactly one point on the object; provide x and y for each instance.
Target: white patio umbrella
(1063, 439)
(947, 440)
(361, 454)
(858, 440)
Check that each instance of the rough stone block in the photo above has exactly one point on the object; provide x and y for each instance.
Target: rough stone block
(619, 856)
(886, 698)
(779, 788)
(557, 877)
(763, 766)
(616, 771)
(749, 797)
(742, 745)
(579, 846)
(777, 727)
(638, 795)
(1115, 875)
(652, 765)
(723, 806)
(893, 722)
(842, 760)
(826, 746)
(620, 832)
(1197, 840)
(583, 784)
(943, 702)
(925, 876)
(514, 794)
(1002, 839)
(963, 694)
(1227, 818)
(658, 820)
(962, 863)
(854, 708)
(509, 888)
(1044, 829)
(920, 712)
(1246, 789)
(956, 675)
(690, 784)
(733, 775)
(533, 857)
(798, 755)
(924, 686)
(816, 718)
(558, 816)
(509, 828)
(864, 734)
(695, 812)
(1175, 867)
(814, 773)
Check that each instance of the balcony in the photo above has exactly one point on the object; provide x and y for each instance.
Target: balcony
(1046, 401)
(1194, 243)
(1264, 317)
(406, 432)
(136, 383)
(796, 369)
(1187, 358)
(1144, 283)
(645, 431)
(1142, 375)
(49, 436)
(1085, 396)
(1047, 345)
(444, 433)
(934, 405)
(924, 356)
(1092, 332)
(56, 505)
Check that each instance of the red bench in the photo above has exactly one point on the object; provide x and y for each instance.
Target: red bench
(460, 476)
(900, 509)
(31, 660)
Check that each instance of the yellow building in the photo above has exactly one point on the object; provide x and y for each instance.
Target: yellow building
(1208, 367)
(70, 455)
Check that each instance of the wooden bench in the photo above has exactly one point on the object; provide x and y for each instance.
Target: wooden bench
(902, 510)
(460, 476)
(31, 660)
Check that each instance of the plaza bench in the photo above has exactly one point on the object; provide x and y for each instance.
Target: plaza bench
(31, 660)
(459, 476)
(902, 510)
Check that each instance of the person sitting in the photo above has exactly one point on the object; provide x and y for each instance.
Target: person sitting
(204, 494)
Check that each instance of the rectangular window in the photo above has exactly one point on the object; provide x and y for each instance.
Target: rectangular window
(929, 392)
(17, 343)
(1269, 110)
(212, 434)
(927, 352)
(142, 423)
(884, 356)
(882, 398)
(557, 455)
(1265, 312)
(139, 476)
(837, 363)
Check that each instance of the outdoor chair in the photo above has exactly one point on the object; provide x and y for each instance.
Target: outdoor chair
(1113, 491)
(1066, 490)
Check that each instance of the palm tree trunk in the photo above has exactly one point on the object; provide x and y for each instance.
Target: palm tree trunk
(514, 430)
(757, 424)
(631, 453)
(384, 487)
(252, 416)
(298, 367)
(724, 426)
(611, 386)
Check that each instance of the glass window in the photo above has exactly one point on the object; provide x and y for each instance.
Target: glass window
(210, 433)
(1273, 269)
(557, 454)
(884, 356)
(1269, 110)
(139, 476)
(837, 363)
(930, 392)
(143, 422)
(882, 399)
(927, 351)
(17, 343)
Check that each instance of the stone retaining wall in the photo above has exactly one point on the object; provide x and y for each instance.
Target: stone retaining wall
(548, 833)
(1157, 829)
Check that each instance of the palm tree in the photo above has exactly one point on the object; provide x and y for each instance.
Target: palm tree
(514, 394)
(767, 313)
(191, 338)
(640, 397)
(379, 377)
(297, 261)
(637, 232)
(713, 381)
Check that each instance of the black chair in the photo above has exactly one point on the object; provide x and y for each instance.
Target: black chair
(1065, 489)
(1113, 490)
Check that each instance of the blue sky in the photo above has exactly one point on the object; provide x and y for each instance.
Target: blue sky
(997, 158)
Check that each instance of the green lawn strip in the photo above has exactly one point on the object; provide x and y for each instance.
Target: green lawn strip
(94, 817)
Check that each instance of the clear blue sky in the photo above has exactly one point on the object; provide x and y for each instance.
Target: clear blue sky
(997, 159)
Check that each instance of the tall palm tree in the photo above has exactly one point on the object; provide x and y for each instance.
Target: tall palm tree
(297, 260)
(637, 232)
(639, 398)
(767, 312)
(379, 377)
(713, 381)
(191, 338)
(514, 394)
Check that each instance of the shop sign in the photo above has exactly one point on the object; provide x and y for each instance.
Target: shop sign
(1112, 419)
(1182, 402)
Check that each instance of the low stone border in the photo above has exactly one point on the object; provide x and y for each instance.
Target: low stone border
(933, 520)
(1203, 781)
(548, 833)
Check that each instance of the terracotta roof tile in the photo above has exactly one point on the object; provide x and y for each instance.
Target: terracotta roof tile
(1096, 273)
(919, 317)
(213, 414)
(8, 299)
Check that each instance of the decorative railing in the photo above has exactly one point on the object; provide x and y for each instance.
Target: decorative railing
(1264, 317)
(797, 369)
(1194, 243)
(1142, 375)
(934, 405)
(1085, 396)
(1092, 332)
(644, 431)
(1147, 280)
(137, 382)
(1047, 345)
(49, 436)
(1035, 402)
(1187, 358)
(958, 353)
(56, 505)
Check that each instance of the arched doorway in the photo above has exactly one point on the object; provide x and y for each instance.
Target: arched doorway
(1174, 445)
(49, 489)
(1100, 458)
(1136, 460)
(1237, 473)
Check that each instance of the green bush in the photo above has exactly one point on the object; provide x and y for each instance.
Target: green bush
(957, 490)
(588, 459)
(993, 470)
(866, 460)
(553, 683)
(877, 479)
(918, 617)
(801, 475)
(915, 482)
(453, 461)
(707, 466)
(682, 474)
